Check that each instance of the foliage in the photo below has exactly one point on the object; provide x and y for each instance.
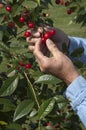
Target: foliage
(29, 99)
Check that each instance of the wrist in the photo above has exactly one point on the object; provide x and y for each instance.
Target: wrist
(71, 77)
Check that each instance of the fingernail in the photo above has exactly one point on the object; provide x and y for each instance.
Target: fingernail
(48, 41)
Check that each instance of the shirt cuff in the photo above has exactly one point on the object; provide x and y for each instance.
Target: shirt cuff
(76, 92)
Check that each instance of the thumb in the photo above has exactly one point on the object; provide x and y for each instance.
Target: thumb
(52, 47)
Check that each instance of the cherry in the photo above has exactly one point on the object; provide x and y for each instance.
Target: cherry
(26, 13)
(27, 34)
(22, 19)
(21, 63)
(62, 2)
(31, 25)
(28, 66)
(57, 126)
(9, 8)
(43, 40)
(1, 5)
(66, 3)
(5, 18)
(11, 24)
(47, 35)
(49, 124)
(57, 1)
(52, 32)
(69, 11)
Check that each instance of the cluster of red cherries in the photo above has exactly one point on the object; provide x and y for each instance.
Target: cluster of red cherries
(30, 25)
(66, 4)
(27, 66)
(26, 34)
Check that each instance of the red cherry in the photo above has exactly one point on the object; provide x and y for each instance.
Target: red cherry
(66, 3)
(1, 5)
(22, 19)
(4, 18)
(57, 1)
(43, 40)
(57, 126)
(9, 8)
(26, 13)
(69, 11)
(31, 25)
(49, 124)
(52, 32)
(28, 66)
(47, 35)
(21, 63)
(62, 2)
(11, 24)
(27, 34)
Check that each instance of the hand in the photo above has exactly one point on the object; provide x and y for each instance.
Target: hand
(59, 38)
(58, 64)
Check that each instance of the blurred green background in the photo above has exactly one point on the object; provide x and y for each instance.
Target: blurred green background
(58, 13)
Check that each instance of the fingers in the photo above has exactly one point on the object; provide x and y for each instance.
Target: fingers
(31, 40)
(34, 35)
(37, 51)
(52, 47)
(31, 48)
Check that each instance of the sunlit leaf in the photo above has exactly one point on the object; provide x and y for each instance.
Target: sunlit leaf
(46, 108)
(23, 109)
(48, 79)
(9, 86)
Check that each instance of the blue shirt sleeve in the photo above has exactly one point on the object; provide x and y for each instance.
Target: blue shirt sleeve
(76, 91)
(75, 43)
(76, 94)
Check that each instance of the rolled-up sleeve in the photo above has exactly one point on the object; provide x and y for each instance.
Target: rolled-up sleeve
(76, 93)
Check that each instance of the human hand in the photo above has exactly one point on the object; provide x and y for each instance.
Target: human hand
(58, 64)
(59, 37)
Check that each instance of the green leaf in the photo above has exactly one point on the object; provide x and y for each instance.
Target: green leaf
(23, 109)
(1, 35)
(4, 48)
(14, 126)
(9, 86)
(7, 105)
(38, 2)
(78, 63)
(77, 52)
(46, 108)
(49, 79)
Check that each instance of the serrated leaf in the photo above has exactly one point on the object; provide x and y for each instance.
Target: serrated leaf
(23, 109)
(9, 86)
(46, 108)
(48, 79)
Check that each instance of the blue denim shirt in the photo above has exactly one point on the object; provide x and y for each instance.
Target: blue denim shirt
(76, 91)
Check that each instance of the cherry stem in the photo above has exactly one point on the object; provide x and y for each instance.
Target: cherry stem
(32, 89)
